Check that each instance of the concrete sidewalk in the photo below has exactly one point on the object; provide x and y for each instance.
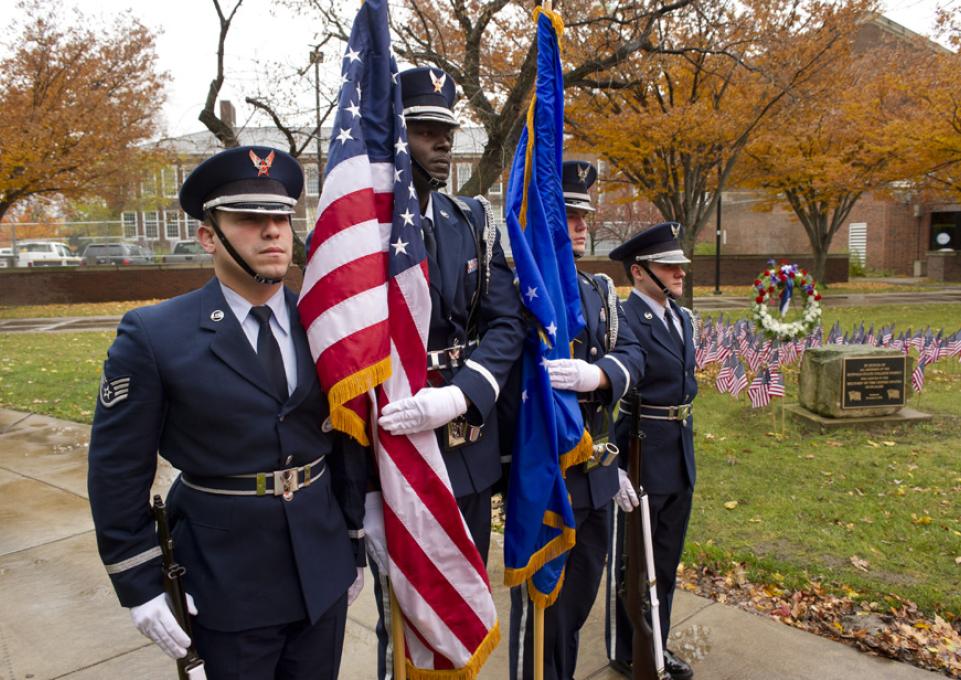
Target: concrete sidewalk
(60, 619)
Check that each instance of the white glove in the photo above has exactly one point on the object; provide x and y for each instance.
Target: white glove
(574, 374)
(626, 496)
(355, 587)
(427, 410)
(155, 620)
(376, 541)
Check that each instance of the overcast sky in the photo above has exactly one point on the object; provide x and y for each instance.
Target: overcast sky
(188, 40)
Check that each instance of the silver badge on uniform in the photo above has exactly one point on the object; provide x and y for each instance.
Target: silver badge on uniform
(327, 426)
(648, 316)
(217, 315)
(443, 213)
(112, 392)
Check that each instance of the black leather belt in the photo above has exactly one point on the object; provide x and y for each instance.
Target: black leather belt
(449, 357)
(284, 482)
(651, 412)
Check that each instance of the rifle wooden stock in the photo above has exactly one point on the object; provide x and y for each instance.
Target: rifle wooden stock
(191, 667)
(647, 656)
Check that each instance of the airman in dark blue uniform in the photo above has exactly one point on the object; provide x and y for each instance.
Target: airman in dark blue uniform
(476, 328)
(267, 513)
(654, 262)
(607, 360)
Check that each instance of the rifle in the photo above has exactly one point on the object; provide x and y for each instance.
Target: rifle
(191, 667)
(646, 647)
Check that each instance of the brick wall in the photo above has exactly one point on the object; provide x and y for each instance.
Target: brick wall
(895, 237)
(735, 269)
(77, 285)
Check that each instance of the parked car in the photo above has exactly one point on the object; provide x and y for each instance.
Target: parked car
(187, 251)
(45, 254)
(115, 253)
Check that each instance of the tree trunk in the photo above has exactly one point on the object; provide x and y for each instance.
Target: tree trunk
(820, 264)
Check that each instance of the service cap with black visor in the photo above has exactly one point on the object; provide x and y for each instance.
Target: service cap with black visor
(246, 179)
(659, 244)
(428, 95)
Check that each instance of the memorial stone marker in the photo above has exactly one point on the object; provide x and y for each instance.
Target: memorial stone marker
(854, 381)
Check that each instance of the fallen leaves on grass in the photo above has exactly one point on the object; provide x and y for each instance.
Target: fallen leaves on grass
(893, 628)
(730, 505)
(860, 564)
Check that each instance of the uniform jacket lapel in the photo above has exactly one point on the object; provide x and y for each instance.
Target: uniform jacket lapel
(447, 232)
(658, 329)
(588, 305)
(687, 323)
(229, 342)
(306, 372)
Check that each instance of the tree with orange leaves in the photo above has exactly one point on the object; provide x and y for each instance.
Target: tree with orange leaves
(78, 104)
(935, 134)
(677, 128)
(843, 139)
(487, 46)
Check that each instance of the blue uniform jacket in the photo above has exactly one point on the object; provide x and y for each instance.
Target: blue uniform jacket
(623, 365)
(668, 446)
(500, 329)
(198, 395)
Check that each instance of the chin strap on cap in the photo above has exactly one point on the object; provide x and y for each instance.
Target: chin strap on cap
(657, 281)
(435, 184)
(259, 278)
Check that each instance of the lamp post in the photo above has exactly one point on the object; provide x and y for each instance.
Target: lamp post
(316, 57)
(717, 242)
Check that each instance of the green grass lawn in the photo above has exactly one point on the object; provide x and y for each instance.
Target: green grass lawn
(88, 309)
(870, 512)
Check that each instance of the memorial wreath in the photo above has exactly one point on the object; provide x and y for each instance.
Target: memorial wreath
(783, 279)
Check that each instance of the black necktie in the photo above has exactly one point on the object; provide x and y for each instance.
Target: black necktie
(438, 320)
(269, 352)
(672, 329)
(430, 240)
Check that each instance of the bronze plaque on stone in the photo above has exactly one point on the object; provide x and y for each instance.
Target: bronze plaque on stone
(870, 382)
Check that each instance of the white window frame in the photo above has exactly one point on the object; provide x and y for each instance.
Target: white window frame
(464, 172)
(175, 223)
(128, 220)
(311, 179)
(168, 181)
(190, 225)
(151, 222)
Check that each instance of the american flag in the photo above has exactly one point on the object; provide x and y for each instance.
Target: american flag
(917, 376)
(723, 380)
(776, 387)
(738, 379)
(367, 256)
(760, 389)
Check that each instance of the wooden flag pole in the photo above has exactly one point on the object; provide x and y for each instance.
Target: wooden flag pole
(397, 637)
(537, 654)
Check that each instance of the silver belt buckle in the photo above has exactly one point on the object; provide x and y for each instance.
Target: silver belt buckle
(286, 483)
(453, 356)
(460, 432)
